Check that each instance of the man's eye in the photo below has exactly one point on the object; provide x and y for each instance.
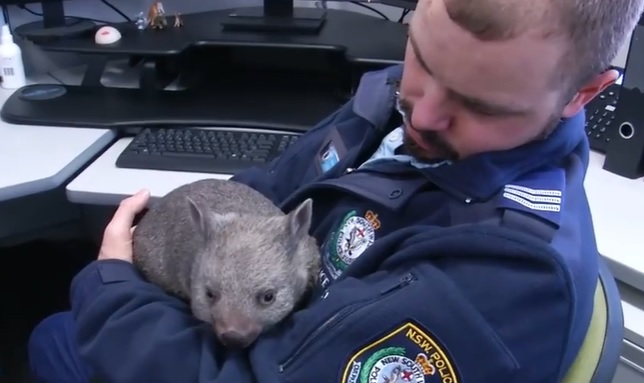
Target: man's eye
(481, 110)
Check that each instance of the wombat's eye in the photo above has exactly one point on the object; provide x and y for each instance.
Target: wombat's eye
(211, 295)
(266, 297)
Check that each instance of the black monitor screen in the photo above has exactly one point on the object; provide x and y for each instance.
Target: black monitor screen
(20, 2)
(407, 4)
(634, 70)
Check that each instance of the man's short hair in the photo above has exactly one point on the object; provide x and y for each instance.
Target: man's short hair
(595, 29)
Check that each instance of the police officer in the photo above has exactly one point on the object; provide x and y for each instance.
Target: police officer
(449, 206)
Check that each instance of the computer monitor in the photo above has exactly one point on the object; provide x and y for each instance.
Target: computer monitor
(276, 16)
(406, 4)
(54, 23)
(634, 67)
(283, 16)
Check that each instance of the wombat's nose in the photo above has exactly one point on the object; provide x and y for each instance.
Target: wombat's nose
(236, 339)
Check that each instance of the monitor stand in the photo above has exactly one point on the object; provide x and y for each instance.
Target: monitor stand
(276, 16)
(54, 24)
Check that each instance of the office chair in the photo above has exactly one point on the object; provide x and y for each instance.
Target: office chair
(599, 354)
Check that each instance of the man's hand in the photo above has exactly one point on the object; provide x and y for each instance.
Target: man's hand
(117, 238)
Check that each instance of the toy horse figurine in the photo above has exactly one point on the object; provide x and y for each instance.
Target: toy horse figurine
(156, 16)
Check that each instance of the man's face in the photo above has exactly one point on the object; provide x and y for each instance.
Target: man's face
(464, 96)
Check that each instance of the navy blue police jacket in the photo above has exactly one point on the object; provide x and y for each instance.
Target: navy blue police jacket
(482, 270)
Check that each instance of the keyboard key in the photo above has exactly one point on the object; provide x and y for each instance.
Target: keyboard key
(600, 115)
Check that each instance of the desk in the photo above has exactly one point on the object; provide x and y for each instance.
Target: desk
(102, 183)
(617, 206)
(34, 159)
(35, 163)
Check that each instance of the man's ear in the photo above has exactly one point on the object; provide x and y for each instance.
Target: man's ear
(592, 88)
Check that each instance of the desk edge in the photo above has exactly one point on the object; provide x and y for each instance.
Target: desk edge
(55, 180)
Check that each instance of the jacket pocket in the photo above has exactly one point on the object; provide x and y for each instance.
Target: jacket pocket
(420, 325)
(304, 348)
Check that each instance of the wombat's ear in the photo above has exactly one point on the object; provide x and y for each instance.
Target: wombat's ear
(299, 219)
(200, 219)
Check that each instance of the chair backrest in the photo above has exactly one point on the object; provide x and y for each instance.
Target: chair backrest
(599, 354)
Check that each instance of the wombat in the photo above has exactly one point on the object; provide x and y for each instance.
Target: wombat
(242, 263)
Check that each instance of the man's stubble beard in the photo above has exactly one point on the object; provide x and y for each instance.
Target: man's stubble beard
(443, 150)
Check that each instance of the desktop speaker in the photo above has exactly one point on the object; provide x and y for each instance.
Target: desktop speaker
(625, 151)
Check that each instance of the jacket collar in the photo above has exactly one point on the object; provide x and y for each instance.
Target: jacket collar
(478, 177)
(481, 176)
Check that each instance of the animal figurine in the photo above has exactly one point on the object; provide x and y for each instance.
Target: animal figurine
(156, 16)
(178, 21)
(241, 263)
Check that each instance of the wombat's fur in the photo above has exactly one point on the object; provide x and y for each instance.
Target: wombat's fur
(237, 258)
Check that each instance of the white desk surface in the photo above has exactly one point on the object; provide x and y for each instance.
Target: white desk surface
(34, 159)
(102, 183)
(617, 206)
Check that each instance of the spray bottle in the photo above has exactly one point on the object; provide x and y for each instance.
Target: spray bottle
(12, 68)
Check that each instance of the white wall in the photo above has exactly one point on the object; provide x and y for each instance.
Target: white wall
(39, 61)
(620, 60)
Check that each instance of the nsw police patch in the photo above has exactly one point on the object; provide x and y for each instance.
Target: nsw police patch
(408, 354)
(354, 235)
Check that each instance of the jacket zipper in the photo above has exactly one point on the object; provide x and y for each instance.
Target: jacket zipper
(340, 315)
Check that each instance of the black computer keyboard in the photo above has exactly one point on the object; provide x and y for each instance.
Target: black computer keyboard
(203, 150)
(600, 118)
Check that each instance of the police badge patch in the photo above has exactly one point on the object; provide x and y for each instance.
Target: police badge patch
(354, 236)
(407, 354)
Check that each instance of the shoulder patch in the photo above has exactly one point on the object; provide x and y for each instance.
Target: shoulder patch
(354, 234)
(540, 193)
(409, 353)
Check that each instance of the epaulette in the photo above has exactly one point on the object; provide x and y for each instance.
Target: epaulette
(534, 202)
(375, 96)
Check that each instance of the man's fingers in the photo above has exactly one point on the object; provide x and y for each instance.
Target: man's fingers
(132, 230)
(129, 208)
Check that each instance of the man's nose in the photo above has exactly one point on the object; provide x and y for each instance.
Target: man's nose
(432, 111)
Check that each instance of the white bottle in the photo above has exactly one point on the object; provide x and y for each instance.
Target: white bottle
(12, 68)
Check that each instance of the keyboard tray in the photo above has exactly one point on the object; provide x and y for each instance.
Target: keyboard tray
(104, 107)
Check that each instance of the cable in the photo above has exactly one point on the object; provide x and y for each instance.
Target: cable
(5, 14)
(116, 9)
(371, 9)
(24, 7)
(404, 14)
